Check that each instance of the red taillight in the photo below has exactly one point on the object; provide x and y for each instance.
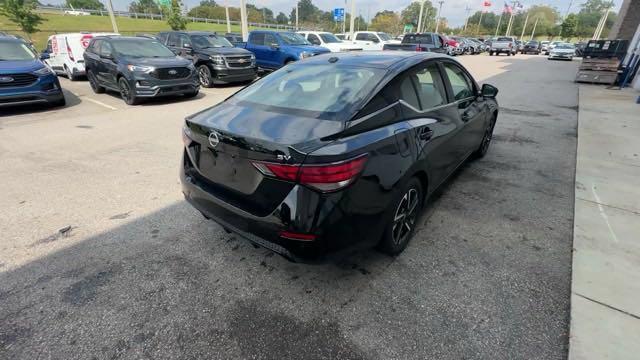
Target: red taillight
(296, 236)
(325, 177)
(69, 50)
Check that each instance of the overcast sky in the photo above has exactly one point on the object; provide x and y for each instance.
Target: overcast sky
(453, 10)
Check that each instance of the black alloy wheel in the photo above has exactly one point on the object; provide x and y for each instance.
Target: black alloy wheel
(93, 82)
(403, 220)
(204, 76)
(486, 139)
(126, 93)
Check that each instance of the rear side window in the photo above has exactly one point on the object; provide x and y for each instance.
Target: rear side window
(313, 39)
(257, 39)
(431, 90)
(363, 37)
(163, 37)
(270, 39)
(460, 83)
(94, 47)
(173, 40)
(105, 49)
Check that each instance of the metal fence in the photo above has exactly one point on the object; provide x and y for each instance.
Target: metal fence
(61, 9)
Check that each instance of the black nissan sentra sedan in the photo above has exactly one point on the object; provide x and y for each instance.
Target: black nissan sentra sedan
(336, 152)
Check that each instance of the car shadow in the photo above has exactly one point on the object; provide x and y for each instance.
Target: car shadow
(71, 101)
(161, 100)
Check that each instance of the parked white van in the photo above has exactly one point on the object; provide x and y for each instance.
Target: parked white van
(329, 41)
(65, 53)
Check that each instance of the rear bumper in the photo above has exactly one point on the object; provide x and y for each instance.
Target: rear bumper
(342, 222)
(45, 90)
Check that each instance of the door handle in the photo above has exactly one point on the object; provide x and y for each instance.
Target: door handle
(425, 133)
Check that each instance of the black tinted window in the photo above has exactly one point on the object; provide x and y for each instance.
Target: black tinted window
(163, 37)
(460, 82)
(418, 39)
(105, 49)
(408, 92)
(257, 39)
(173, 40)
(363, 37)
(431, 90)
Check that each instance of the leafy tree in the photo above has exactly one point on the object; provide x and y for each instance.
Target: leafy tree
(387, 21)
(85, 4)
(208, 3)
(282, 18)
(411, 14)
(144, 6)
(596, 6)
(174, 16)
(569, 26)
(307, 12)
(22, 14)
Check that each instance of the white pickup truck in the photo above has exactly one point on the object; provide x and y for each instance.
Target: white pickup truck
(372, 40)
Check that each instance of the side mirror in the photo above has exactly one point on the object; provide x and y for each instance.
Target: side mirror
(44, 56)
(489, 91)
(275, 46)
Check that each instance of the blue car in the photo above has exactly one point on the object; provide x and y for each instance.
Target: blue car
(24, 79)
(274, 49)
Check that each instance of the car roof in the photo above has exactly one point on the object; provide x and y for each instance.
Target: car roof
(375, 59)
(9, 38)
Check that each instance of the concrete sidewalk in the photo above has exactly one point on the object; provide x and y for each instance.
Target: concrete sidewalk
(605, 299)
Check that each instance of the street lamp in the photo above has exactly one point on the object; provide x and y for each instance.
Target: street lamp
(438, 17)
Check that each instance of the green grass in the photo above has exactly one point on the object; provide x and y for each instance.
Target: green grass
(57, 23)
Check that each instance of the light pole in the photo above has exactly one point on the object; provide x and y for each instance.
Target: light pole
(352, 19)
(113, 18)
(438, 17)
(297, 6)
(226, 10)
(466, 21)
(420, 16)
(243, 20)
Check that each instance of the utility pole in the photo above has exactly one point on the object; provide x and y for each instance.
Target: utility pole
(438, 17)
(524, 27)
(513, 8)
(601, 25)
(113, 17)
(424, 21)
(499, 21)
(479, 22)
(466, 21)
(297, 16)
(420, 16)
(226, 10)
(243, 20)
(352, 19)
(533, 32)
(565, 16)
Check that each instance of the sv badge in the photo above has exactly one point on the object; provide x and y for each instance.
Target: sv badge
(284, 157)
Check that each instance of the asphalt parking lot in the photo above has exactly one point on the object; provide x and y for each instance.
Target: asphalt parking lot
(101, 258)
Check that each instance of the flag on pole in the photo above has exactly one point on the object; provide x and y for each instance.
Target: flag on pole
(486, 3)
(507, 8)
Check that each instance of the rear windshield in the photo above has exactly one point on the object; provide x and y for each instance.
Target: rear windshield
(15, 51)
(565, 46)
(418, 39)
(329, 38)
(532, 43)
(319, 91)
(209, 41)
(504, 39)
(141, 48)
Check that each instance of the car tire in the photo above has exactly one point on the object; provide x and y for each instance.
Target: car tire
(486, 140)
(403, 220)
(69, 74)
(490, 53)
(93, 82)
(125, 92)
(204, 76)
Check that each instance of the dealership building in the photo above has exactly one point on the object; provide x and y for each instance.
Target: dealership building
(627, 27)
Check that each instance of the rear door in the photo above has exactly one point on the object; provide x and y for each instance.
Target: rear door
(185, 47)
(108, 69)
(434, 120)
(257, 45)
(464, 94)
(273, 53)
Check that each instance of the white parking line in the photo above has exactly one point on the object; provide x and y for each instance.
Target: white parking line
(95, 101)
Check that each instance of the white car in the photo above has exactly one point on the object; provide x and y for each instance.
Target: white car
(65, 53)
(373, 40)
(551, 46)
(329, 41)
(562, 51)
(77, 13)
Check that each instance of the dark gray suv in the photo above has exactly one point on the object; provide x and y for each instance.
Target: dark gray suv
(138, 68)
